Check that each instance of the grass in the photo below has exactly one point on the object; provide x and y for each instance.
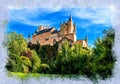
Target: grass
(26, 75)
(37, 75)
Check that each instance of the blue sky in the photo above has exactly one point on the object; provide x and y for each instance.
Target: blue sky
(89, 22)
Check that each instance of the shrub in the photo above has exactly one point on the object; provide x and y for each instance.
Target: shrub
(44, 68)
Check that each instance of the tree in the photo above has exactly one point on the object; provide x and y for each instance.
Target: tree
(15, 43)
(36, 62)
(21, 59)
(104, 58)
(14, 64)
(26, 64)
(72, 60)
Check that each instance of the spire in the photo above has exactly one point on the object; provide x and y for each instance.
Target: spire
(86, 38)
(28, 38)
(29, 35)
(70, 18)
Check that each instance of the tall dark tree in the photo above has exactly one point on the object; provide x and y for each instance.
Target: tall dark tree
(103, 54)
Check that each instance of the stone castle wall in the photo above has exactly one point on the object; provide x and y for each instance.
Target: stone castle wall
(67, 30)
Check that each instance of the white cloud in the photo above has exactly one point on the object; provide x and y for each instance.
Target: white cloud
(26, 21)
(29, 16)
(95, 16)
(84, 25)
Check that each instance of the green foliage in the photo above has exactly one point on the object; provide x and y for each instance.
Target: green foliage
(21, 59)
(15, 43)
(25, 69)
(31, 64)
(36, 62)
(48, 53)
(44, 68)
(104, 58)
(46, 57)
(26, 61)
(91, 62)
(72, 60)
(96, 62)
(14, 63)
(26, 64)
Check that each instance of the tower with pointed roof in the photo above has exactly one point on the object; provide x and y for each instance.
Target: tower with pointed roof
(28, 38)
(68, 28)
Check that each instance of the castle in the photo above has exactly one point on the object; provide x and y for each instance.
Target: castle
(46, 35)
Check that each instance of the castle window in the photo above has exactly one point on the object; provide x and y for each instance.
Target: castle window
(37, 41)
(46, 39)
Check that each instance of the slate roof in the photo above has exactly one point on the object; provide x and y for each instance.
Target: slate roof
(46, 30)
(55, 31)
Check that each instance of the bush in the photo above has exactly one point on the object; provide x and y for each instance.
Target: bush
(72, 60)
(36, 62)
(44, 68)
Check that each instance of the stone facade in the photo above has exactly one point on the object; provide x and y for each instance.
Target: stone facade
(46, 35)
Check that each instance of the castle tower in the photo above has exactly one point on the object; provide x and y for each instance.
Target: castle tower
(28, 38)
(86, 39)
(70, 18)
(74, 31)
(70, 25)
(68, 29)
